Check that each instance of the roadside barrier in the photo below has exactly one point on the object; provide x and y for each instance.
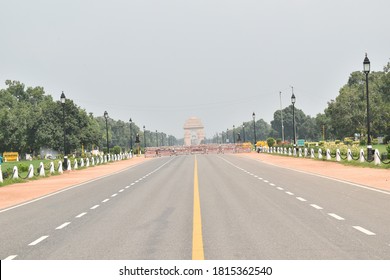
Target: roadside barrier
(328, 155)
(60, 169)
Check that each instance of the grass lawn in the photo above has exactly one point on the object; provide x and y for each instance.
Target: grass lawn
(381, 148)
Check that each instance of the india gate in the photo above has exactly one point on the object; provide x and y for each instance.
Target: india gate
(193, 132)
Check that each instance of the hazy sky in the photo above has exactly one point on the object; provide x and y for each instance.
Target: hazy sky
(161, 62)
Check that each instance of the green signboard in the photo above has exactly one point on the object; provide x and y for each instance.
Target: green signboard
(301, 142)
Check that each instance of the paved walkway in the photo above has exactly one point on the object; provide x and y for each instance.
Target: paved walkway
(17, 193)
(372, 177)
(14, 194)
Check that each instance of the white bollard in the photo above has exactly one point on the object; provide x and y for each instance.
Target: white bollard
(320, 153)
(328, 157)
(60, 170)
(93, 161)
(305, 152)
(312, 153)
(82, 162)
(338, 156)
(361, 158)
(87, 164)
(41, 170)
(1, 175)
(377, 159)
(294, 152)
(349, 155)
(30, 171)
(300, 152)
(51, 167)
(76, 165)
(16, 174)
(289, 152)
(69, 165)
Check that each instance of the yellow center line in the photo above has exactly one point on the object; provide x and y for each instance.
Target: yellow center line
(197, 239)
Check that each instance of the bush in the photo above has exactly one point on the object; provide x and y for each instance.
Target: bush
(375, 141)
(348, 141)
(337, 142)
(386, 140)
(388, 149)
(270, 142)
(116, 150)
(22, 167)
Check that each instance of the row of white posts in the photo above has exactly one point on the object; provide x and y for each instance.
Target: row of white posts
(94, 161)
(293, 152)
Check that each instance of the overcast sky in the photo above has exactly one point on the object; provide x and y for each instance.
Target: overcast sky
(161, 62)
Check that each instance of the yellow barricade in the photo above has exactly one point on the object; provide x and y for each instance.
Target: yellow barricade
(10, 156)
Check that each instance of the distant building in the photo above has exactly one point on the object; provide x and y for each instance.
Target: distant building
(193, 132)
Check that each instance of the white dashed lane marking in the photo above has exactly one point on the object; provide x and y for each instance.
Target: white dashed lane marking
(63, 225)
(10, 257)
(40, 239)
(114, 195)
(95, 206)
(82, 214)
(316, 206)
(337, 217)
(280, 189)
(132, 184)
(365, 231)
(121, 190)
(107, 199)
(289, 193)
(271, 184)
(301, 199)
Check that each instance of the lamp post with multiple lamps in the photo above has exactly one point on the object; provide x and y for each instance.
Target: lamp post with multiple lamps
(131, 137)
(63, 99)
(293, 103)
(366, 70)
(234, 134)
(254, 127)
(106, 117)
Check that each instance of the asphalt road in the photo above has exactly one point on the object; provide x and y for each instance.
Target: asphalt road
(227, 207)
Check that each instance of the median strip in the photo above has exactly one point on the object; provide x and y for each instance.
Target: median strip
(197, 238)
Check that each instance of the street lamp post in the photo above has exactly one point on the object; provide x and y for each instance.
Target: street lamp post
(131, 137)
(254, 127)
(293, 103)
(144, 140)
(234, 134)
(156, 138)
(106, 117)
(366, 70)
(63, 99)
(243, 131)
(222, 137)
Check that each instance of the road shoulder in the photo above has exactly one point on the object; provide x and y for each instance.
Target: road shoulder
(376, 178)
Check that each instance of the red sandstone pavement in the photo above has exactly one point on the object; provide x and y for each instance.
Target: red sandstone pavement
(372, 177)
(18, 193)
(11, 195)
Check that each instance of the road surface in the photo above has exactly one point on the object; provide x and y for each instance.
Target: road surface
(202, 206)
